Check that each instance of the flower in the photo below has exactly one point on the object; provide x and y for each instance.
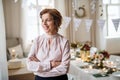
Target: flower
(86, 46)
(102, 55)
(105, 54)
(75, 45)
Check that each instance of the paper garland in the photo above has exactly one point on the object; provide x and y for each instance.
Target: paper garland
(76, 23)
(88, 23)
(101, 23)
(116, 23)
(66, 22)
(93, 6)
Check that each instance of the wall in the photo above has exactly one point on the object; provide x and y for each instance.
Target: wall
(113, 45)
(12, 18)
(81, 34)
(3, 59)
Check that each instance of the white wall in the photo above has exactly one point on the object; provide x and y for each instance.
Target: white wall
(113, 45)
(81, 34)
(3, 59)
(12, 18)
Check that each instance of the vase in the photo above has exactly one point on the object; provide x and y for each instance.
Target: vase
(84, 55)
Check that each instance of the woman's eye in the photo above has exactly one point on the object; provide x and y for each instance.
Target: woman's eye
(47, 20)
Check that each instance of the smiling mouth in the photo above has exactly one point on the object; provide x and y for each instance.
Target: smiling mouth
(46, 27)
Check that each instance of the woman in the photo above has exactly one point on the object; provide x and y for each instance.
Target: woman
(49, 56)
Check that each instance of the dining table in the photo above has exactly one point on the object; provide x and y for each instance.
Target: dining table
(89, 73)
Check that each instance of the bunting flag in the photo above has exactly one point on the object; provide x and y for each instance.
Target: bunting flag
(101, 23)
(66, 22)
(76, 23)
(88, 23)
(116, 23)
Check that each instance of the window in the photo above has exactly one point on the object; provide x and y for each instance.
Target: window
(112, 12)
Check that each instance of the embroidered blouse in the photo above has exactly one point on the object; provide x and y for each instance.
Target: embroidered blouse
(58, 50)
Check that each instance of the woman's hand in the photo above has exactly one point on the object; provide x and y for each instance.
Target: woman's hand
(55, 63)
(33, 58)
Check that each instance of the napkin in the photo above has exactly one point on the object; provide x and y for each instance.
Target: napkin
(100, 75)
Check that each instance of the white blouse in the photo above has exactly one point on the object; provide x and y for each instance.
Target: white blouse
(58, 50)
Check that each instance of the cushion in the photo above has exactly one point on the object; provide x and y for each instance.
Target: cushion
(17, 50)
(12, 42)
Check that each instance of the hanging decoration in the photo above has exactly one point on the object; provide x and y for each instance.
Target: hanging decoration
(15, 1)
(76, 23)
(88, 23)
(101, 23)
(80, 12)
(116, 23)
(66, 22)
(93, 6)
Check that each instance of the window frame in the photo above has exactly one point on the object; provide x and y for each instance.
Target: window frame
(107, 20)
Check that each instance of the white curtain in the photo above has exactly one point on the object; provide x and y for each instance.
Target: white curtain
(3, 59)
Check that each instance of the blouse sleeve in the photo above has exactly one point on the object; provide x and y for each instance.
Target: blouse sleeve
(64, 66)
(33, 65)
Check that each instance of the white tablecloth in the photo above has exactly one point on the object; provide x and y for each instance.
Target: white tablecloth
(81, 74)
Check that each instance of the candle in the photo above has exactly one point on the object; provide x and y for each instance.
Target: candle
(13, 50)
(90, 67)
(104, 70)
(13, 54)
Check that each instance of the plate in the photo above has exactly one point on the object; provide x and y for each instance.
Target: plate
(92, 71)
(116, 74)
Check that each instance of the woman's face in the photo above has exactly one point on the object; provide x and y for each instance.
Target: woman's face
(48, 24)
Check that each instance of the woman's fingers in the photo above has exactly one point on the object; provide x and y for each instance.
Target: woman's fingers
(55, 63)
(34, 59)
